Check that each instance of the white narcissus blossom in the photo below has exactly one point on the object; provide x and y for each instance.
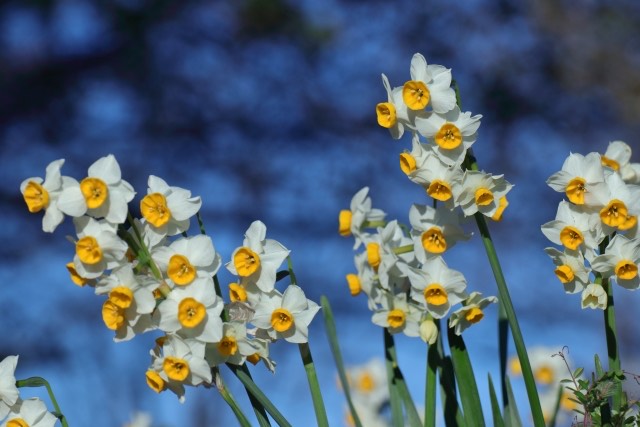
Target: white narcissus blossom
(621, 261)
(31, 412)
(98, 247)
(398, 315)
(393, 114)
(360, 211)
(439, 180)
(570, 269)
(234, 346)
(286, 317)
(187, 258)
(128, 309)
(8, 391)
(167, 210)
(39, 194)
(452, 132)
(621, 204)
(471, 313)
(430, 85)
(594, 296)
(437, 286)
(381, 251)
(368, 383)
(258, 260)
(581, 179)
(481, 192)
(103, 194)
(434, 230)
(413, 161)
(365, 281)
(574, 228)
(192, 311)
(617, 157)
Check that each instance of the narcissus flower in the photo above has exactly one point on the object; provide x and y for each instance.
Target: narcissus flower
(621, 261)
(286, 316)
(594, 296)
(43, 195)
(31, 413)
(581, 179)
(621, 204)
(393, 114)
(259, 258)
(398, 315)
(8, 390)
(481, 192)
(103, 194)
(187, 258)
(98, 247)
(368, 382)
(360, 212)
(439, 180)
(434, 230)
(574, 228)
(570, 269)
(471, 313)
(233, 347)
(430, 85)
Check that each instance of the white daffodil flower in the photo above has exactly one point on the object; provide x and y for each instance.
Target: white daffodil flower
(187, 258)
(621, 204)
(481, 192)
(386, 250)
(98, 247)
(621, 261)
(365, 281)
(398, 315)
(570, 269)
(574, 228)
(430, 85)
(233, 347)
(192, 311)
(439, 180)
(471, 313)
(8, 391)
(434, 230)
(41, 194)
(128, 309)
(393, 114)
(368, 382)
(581, 179)
(166, 209)
(258, 259)
(261, 352)
(103, 194)
(176, 363)
(286, 317)
(452, 132)
(31, 412)
(360, 212)
(594, 296)
(437, 286)
(413, 161)
(617, 157)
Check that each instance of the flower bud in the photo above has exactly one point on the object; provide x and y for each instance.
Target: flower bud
(428, 331)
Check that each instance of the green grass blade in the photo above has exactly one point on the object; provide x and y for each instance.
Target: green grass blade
(433, 363)
(314, 386)
(397, 417)
(332, 335)
(466, 380)
(511, 414)
(228, 397)
(495, 406)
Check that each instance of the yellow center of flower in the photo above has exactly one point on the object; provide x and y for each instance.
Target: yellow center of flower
(439, 190)
(407, 163)
(344, 222)
(228, 346)
(281, 319)
(544, 374)
(254, 358)
(387, 116)
(415, 94)
(629, 223)
(88, 250)
(449, 136)
(366, 383)
(610, 163)
(155, 210)
(564, 273)
(237, 293)
(180, 270)
(435, 294)
(614, 214)
(36, 197)
(433, 241)
(95, 192)
(396, 318)
(17, 422)
(112, 315)
(155, 381)
(246, 262)
(626, 269)
(571, 237)
(373, 255)
(474, 315)
(191, 312)
(75, 277)
(176, 369)
(502, 205)
(483, 196)
(353, 281)
(575, 190)
(121, 296)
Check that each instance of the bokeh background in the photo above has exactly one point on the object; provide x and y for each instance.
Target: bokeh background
(265, 108)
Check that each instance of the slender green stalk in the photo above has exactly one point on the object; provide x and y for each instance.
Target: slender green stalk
(292, 275)
(448, 394)
(228, 397)
(252, 388)
(612, 342)
(41, 382)
(503, 349)
(498, 421)
(314, 385)
(394, 394)
(337, 356)
(433, 362)
(258, 409)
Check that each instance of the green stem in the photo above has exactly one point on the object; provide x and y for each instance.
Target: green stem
(612, 342)
(433, 360)
(41, 382)
(258, 409)
(228, 397)
(292, 275)
(394, 394)
(314, 386)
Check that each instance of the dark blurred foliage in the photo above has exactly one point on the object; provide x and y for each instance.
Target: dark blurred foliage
(258, 93)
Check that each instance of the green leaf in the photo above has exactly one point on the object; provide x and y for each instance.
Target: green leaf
(314, 385)
(511, 414)
(578, 372)
(495, 406)
(397, 417)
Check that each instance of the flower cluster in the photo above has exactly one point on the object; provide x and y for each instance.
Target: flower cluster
(403, 273)
(155, 277)
(15, 411)
(597, 226)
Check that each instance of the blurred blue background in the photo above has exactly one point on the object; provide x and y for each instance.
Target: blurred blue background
(265, 108)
